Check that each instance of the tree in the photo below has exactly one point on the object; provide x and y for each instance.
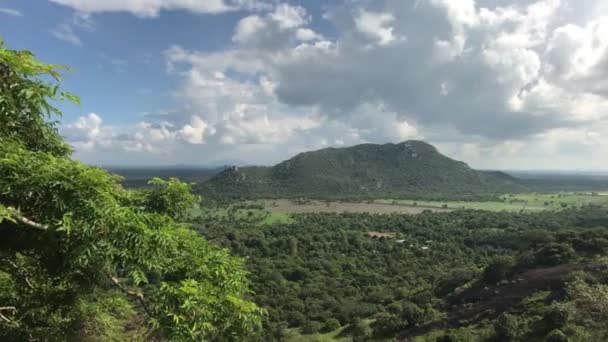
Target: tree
(412, 314)
(586, 303)
(554, 254)
(388, 324)
(506, 328)
(498, 269)
(76, 246)
(360, 331)
(311, 327)
(557, 336)
(331, 325)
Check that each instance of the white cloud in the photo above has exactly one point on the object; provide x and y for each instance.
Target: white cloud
(507, 84)
(281, 28)
(152, 8)
(248, 27)
(194, 132)
(289, 17)
(11, 11)
(376, 26)
(306, 34)
(68, 29)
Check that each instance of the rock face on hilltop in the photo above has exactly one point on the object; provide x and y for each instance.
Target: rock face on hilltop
(408, 169)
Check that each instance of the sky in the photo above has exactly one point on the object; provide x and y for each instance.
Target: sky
(499, 84)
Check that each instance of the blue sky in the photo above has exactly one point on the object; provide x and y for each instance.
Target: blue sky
(507, 84)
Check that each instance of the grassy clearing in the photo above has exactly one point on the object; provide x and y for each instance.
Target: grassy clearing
(290, 206)
(255, 216)
(529, 202)
(514, 202)
(278, 211)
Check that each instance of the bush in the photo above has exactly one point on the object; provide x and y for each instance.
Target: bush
(498, 269)
(360, 331)
(555, 318)
(447, 338)
(454, 279)
(557, 336)
(506, 328)
(412, 314)
(554, 254)
(388, 324)
(331, 325)
(311, 327)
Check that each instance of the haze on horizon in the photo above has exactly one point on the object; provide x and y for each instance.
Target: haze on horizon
(508, 84)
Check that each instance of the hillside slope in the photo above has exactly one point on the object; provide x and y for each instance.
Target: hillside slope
(411, 168)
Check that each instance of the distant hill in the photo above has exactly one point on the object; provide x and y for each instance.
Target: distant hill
(138, 177)
(408, 169)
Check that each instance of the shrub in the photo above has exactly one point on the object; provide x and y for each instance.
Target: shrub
(506, 328)
(331, 325)
(557, 336)
(388, 324)
(554, 254)
(311, 327)
(498, 269)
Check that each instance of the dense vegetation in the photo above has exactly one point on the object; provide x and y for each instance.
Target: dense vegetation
(326, 271)
(84, 259)
(412, 169)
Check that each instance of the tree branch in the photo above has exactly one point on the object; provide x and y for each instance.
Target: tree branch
(7, 308)
(24, 274)
(137, 295)
(16, 214)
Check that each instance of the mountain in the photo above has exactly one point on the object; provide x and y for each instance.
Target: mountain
(408, 169)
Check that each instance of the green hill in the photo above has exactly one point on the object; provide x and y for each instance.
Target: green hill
(408, 169)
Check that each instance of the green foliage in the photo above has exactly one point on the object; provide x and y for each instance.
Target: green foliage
(557, 336)
(325, 266)
(170, 197)
(454, 279)
(360, 330)
(25, 101)
(70, 231)
(498, 269)
(388, 325)
(555, 318)
(412, 168)
(311, 327)
(554, 254)
(109, 316)
(586, 302)
(331, 325)
(507, 328)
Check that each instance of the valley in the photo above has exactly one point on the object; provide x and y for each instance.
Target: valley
(332, 260)
(304, 171)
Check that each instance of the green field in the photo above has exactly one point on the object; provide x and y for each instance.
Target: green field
(255, 216)
(279, 211)
(514, 202)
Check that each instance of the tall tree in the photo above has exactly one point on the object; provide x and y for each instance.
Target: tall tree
(81, 257)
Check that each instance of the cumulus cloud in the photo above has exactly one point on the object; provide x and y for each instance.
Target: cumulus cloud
(283, 27)
(376, 26)
(497, 83)
(152, 8)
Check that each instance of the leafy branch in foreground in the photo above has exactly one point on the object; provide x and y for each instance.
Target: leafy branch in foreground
(81, 257)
